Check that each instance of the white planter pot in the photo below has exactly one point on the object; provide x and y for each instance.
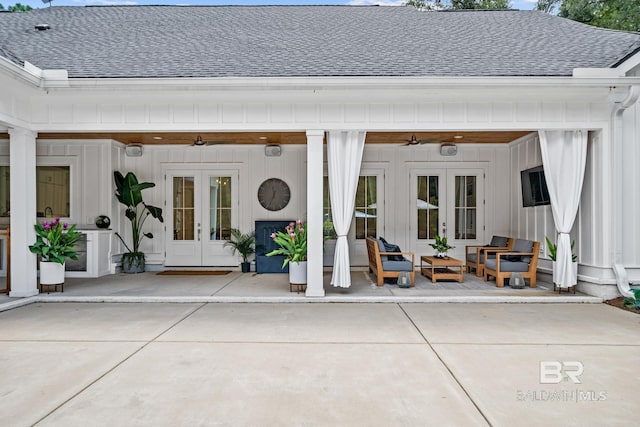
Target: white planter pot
(51, 273)
(298, 273)
(574, 266)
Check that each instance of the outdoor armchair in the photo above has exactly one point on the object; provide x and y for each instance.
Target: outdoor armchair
(475, 255)
(523, 258)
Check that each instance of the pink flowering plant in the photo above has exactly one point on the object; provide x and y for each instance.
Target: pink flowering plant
(55, 241)
(292, 242)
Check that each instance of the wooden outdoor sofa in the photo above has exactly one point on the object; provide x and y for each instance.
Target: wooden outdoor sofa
(383, 267)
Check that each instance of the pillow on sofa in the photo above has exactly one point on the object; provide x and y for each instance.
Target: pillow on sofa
(498, 242)
(389, 247)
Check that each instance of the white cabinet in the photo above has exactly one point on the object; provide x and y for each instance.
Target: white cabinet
(94, 255)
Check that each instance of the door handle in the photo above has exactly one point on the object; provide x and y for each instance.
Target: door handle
(444, 228)
(199, 231)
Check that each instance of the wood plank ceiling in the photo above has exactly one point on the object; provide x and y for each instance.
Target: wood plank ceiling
(262, 138)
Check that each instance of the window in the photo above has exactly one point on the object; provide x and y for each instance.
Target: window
(53, 191)
(365, 209)
(327, 219)
(183, 207)
(465, 207)
(428, 207)
(220, 207)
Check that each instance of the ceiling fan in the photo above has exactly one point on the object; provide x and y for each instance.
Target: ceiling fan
(199, 142)
(415, 141)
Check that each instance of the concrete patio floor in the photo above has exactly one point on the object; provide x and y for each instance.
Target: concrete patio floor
(128, 364)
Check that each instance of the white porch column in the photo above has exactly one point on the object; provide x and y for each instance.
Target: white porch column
(315, 177)
(22, 164)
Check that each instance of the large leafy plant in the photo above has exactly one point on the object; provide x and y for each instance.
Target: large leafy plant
(553, 250)
(292, 242)
(242, 243)
(129, 193)
(55, 241)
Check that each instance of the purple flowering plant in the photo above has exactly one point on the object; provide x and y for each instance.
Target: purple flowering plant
(292, 242)
(55, 241)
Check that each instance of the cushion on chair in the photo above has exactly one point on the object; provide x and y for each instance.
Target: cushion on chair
(499, 241)
(521, 245)
(381, 248)
(474, 259)
(397, 265)
(389, 247)
(507, 266)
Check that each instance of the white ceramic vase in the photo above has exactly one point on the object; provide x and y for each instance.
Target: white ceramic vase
(51, 273)
(298, 273)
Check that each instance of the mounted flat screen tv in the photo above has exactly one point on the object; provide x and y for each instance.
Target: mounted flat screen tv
(534, 187)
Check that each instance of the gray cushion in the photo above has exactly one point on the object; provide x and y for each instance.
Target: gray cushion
(522, 245)
(508, 266)
(499, 241)
(472, 257)
(381, 248)
(397, 266)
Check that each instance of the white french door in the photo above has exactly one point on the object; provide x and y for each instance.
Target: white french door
(448, 202)
(201, 208)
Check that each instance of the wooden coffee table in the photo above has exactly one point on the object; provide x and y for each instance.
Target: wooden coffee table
(441, 268)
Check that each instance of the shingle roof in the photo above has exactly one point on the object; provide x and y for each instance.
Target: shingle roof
(259, 41)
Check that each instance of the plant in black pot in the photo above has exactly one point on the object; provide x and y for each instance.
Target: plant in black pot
(243, 244)
(129, 193)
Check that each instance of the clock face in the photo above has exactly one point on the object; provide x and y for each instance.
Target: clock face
(274, 194)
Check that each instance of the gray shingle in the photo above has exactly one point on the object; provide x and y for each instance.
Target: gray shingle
(260, 41)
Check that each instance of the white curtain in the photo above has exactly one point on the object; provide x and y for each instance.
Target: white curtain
(344, 156)
(564, 156)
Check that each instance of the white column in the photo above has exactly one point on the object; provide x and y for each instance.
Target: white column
(315, 175)
(22, 164)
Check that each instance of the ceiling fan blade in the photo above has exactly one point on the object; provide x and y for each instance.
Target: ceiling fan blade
(219, 142)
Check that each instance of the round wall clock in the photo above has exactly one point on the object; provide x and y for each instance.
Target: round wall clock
(274, 194)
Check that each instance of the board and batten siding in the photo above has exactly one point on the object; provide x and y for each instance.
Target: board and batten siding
(593, 229)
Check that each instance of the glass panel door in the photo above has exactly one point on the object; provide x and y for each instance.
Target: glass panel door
(449, 203)
(183, 208)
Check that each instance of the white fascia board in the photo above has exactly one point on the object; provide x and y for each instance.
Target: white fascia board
(320, 83)
(598, 73)
(26, 73)
(629, 64)
(34, 75)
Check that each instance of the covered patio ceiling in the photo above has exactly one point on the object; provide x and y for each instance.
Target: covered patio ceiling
(262, 138)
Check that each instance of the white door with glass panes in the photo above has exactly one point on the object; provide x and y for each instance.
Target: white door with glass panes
(448, 203)
(367, 217)
(201, 209)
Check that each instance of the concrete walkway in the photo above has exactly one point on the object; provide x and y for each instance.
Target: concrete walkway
(202, 364)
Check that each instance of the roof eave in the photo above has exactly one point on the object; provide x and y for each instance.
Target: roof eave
(581, 78)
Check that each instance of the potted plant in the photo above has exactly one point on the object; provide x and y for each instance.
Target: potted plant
(553, 250)
(293, 245)
(441, 246)
(55, 242)
(244, 245)
(129, 193)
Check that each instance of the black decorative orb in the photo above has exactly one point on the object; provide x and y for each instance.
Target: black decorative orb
(103, 221)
